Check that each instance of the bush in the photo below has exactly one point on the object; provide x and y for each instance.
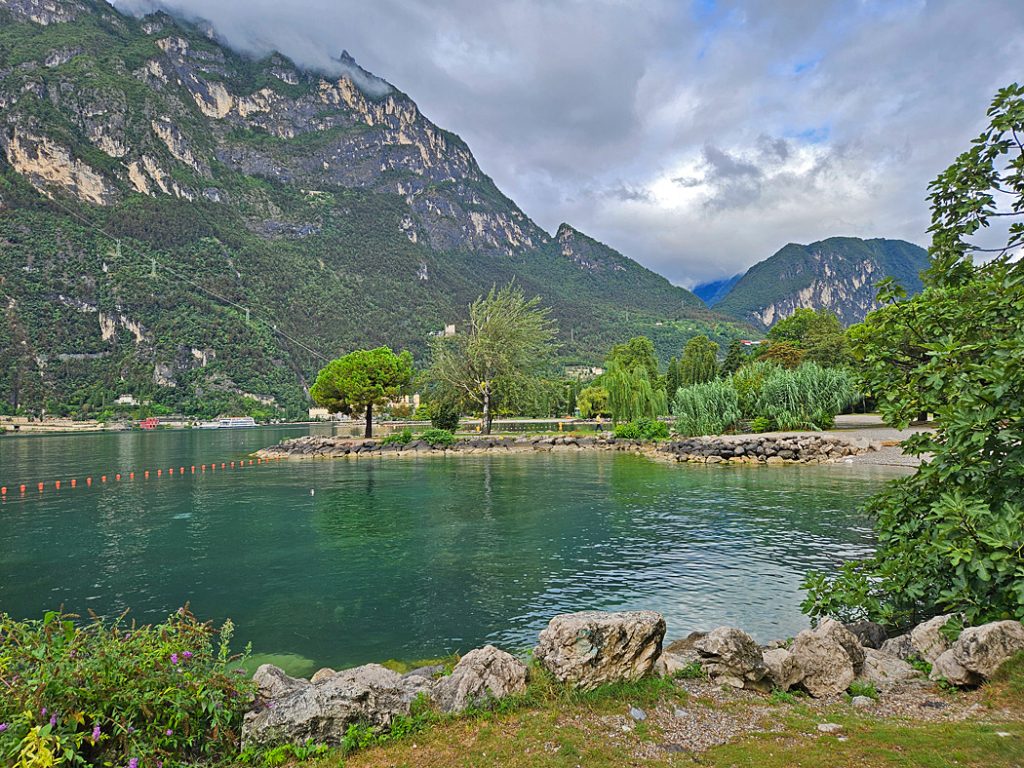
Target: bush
(808, 397)
(642, 429)
(444, 416)
(706, 409)
(399, 438)
(760, 424)
(110, 693)
(438, 437)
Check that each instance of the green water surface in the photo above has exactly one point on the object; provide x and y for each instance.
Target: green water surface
(340, 562)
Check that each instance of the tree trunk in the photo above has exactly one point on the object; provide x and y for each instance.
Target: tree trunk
(486, 426)
(369, 421)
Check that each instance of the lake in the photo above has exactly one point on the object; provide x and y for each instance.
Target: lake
(342, 562)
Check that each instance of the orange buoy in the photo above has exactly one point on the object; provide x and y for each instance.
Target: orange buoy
(88, 481)
(131, 475)
(117, 477)
(3, 490)
(250, 462)
(159, 473)
(22, 489)
(74, 483)
(193, 469)
(56, 484)
(203, 467)
(232, 465)
(103, 479)
(170, 471)
(181, 470)
(147, 474)
(40, 487)
(222, 465)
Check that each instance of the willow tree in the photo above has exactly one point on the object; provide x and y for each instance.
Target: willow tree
(699, 362)
(361, 380)
(632, 394)
(507, 342)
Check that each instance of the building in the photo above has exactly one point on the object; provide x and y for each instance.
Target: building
(126, 400)
(582, 372)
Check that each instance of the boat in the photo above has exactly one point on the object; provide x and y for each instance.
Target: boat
(230, 422)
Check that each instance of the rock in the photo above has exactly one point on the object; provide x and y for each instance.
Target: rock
(481, 675)
(862, 702)
(322, 712)
(829, 656)
(979, 652)
(322, 674)
(429, 672)
(927, 641)
(686, 645)
(899, 646)
(273, 683)
(782, 668)
(832, 728)
(883, 669)
(671, 664)
(730, 656)
(870, 634)
(637, 714)
(593, 647)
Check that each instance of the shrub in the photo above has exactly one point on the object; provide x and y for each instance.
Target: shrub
(399, 438)
(808, 397)
(760, 424)
(706, 409)
(445, 416)
(642, 429)
(863, 688)
(438, 437)
(104, 693)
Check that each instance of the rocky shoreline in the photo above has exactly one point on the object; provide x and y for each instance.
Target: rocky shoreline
(586, 650)
(784, 448)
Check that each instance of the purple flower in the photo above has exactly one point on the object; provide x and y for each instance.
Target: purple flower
(174, 658)
(187, 654)
(169, 732)
(43, 711)
(130, 729)
(133, 763)
(4, 727)
(53, 721)
(96, 733)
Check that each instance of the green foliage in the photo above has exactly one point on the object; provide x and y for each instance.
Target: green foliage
(808, 397)
(508, 340)
(102, 693)
(691, 671)
(636, 353)
(699, 362)
(949, 536)
(360, 380)
(593, 402)
(444, 414)
(818, 334)
(779, 696)
(863, 688)
(711, 408)
(642, 429)
(632, 394)
(760, 424)
(398, 438)
(438, 437)
(735, 358)
(787, 354)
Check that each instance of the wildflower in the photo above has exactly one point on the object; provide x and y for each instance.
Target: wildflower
(169, 732)
(133, 763)
(4, 727)
(131, 729)
(187, 654)
(96, 733)
(43, 711)
(53, 721)
(174, 658)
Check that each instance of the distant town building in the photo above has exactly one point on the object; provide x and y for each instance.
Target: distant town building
(319, 414)
(126, 400)
(583, 371)
(749, 343)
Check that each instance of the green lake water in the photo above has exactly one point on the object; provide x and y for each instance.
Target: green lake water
(341, 562)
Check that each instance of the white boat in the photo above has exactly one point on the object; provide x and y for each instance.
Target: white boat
(230, 422)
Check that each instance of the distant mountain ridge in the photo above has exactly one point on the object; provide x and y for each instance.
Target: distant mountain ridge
(714, 291)
(317, 213)
(840, 274)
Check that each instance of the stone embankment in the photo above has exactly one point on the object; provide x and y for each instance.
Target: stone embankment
(801, 448)
(593, 648)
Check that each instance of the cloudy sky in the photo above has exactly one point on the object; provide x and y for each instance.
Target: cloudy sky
(695, 137)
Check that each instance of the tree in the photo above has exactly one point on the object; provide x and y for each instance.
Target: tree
(949, 536)
(360, 380)
(735, 357)
(699, 362)
(593, 401)
(673, 380)
(818, 333)
(632, 394)
(637, 352)
(507, 342)
(788, 354)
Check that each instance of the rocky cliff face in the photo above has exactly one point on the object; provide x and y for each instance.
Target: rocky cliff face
(840, 274)
(182, 222)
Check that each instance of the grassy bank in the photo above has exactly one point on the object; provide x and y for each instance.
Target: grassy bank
(689, 722)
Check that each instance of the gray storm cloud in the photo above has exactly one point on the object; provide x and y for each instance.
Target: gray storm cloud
(697, 138)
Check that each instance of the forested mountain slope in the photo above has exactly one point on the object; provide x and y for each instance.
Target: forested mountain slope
(156, 188)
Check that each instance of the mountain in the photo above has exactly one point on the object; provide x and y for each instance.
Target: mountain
(840, 274)
(183, 223)
(713, 292)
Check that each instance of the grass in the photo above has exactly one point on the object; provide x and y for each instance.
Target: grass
(551, 726)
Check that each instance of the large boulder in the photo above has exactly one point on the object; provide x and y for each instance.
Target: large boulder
(273, 683)
(323, 711)
(979, 652)
(783, 669)
(884, 670)
(730, 656)
(927, 640)
(899, 647)
(591, 648)
(829, 656)
(482, 675)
